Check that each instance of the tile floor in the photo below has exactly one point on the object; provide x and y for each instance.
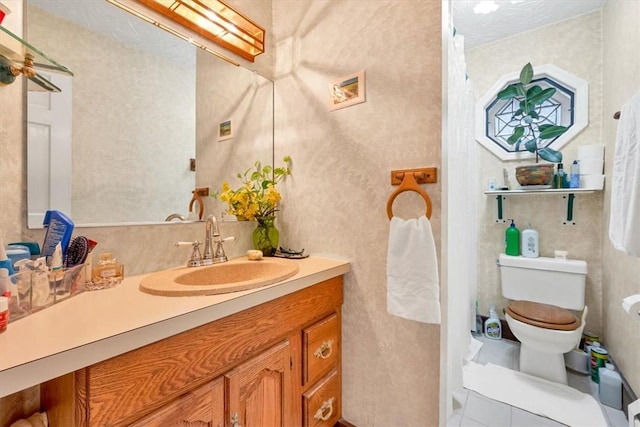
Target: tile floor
(471, 409)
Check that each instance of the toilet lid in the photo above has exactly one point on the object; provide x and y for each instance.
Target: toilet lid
(543, 315)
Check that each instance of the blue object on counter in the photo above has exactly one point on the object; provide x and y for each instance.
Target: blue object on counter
(8, 264)
(17, 252)
(575, 175)
(59, 229)
(34, 247)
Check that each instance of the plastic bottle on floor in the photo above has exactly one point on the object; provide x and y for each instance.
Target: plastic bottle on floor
(478, 320)
(610, 388)
(492, 326)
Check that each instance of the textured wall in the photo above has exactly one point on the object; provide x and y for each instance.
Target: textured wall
(230, 92)
(621, 273)
(578, 51)
(335, 201)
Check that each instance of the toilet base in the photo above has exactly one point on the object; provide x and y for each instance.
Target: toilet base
(549, 366)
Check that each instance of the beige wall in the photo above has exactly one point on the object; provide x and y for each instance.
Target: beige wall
(335, 201)
(230, 92)
(578, 51)
(620, 272)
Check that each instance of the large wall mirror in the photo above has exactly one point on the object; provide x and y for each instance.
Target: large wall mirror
(114, 146)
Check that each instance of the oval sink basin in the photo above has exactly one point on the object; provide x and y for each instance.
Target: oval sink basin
(236, 275)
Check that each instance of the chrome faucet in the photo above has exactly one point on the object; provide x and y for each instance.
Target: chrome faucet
(212, 235)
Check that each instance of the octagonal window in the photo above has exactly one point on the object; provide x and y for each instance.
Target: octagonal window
(568, 107)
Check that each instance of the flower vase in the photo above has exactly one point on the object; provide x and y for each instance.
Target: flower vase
(266, 236)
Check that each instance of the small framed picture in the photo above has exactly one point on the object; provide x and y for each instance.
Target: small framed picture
(347, 91)
(225, 130)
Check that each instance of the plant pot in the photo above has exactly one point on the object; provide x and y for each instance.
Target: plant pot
(266, 236)
(538, 174)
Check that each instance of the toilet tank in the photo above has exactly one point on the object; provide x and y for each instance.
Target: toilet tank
(559, 282)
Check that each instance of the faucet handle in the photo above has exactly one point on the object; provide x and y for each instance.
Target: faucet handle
(220, 256)
(196, 257)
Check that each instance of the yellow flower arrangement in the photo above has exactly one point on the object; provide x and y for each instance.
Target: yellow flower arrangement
(257, 197)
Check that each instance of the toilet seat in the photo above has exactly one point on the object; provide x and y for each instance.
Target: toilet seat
(543, 315)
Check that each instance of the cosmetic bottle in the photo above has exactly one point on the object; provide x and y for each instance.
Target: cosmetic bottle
(108, 268)
(529, 242)
(59, 229)
(5, 262)
(560, 178)
(512, 240)
(57, 273)
(4, 313)
(40, 291)
(574, 182)
(5, 283)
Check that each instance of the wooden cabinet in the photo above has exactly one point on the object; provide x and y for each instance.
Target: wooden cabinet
(255, 368)
(257, 390)
(322, 391)
(203, 406)
(322, 402)
(321, 348)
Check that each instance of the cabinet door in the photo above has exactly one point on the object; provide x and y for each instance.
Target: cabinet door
(260, 393)
(202, 407)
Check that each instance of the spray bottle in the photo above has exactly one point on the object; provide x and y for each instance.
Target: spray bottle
(492, 326)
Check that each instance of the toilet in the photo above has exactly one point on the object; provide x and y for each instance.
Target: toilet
(544, 294)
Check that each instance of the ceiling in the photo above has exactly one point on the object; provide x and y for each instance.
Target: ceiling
(513, 17)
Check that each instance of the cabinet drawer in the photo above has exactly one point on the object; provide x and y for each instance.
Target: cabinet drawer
(321, 403)
(321, 348)
(202, 406)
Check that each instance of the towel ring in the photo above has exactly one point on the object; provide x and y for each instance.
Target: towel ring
(196, 198)
(408, 184)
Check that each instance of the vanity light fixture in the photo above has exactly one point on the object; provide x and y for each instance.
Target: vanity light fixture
(207, 20)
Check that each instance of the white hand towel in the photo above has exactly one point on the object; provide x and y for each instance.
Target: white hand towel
(413, 289)
(624, 218)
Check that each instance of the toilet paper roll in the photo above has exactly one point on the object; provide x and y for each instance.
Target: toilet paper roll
(595, 151)
(633, 410)
(591, 166)
(631, 305)
(592, 182)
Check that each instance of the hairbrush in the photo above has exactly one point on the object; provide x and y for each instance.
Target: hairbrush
(77, 252)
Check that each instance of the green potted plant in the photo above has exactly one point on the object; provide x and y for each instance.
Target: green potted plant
(256, 199)
(532, 128)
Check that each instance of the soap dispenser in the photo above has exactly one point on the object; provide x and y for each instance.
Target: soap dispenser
(512, 240)
(529, 242)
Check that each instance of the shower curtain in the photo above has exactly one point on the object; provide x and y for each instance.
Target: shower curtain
(462, 210)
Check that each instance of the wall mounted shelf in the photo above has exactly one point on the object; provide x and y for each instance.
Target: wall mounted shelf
(567, 193)
(15, 49)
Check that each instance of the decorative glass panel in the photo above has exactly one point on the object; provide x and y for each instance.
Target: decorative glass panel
(497, 120)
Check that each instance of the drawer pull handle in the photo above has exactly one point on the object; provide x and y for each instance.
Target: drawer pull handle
(325, 412)
(324, 351)
(234, 420)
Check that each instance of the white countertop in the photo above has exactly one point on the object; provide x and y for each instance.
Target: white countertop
(95, 326)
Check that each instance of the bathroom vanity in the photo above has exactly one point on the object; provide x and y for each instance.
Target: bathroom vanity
(268, 356)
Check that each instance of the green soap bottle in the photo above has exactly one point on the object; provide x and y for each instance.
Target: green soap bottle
(512, 238)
